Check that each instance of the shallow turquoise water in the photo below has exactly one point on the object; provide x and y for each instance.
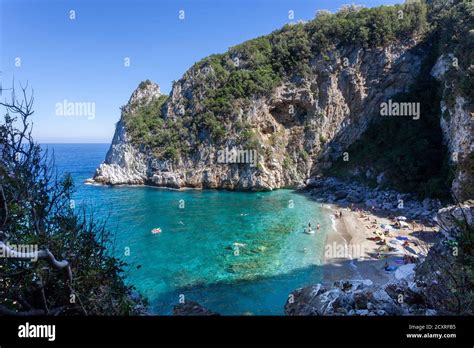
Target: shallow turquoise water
(196, 255)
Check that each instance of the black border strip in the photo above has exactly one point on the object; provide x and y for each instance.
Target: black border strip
(260, 330)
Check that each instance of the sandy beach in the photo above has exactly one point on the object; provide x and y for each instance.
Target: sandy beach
(353, 250)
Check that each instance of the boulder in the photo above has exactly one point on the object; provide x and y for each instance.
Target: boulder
(356, 297)
(191, 308)
(381, 178)
(354, 197)
(340, 194)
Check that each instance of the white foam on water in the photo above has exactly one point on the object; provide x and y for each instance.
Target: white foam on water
(333, 222)
(346, 247)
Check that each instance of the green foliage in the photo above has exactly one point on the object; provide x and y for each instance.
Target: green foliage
(147, 128)
(224, 83)
(250, 139)
(287, 162)
(454, 26)
(291, 51)
(254, 68)
(146, 120)
(413, 154)
(39, 214)
(144, 84)
(209, 122)
(304, 155)
(367, 27)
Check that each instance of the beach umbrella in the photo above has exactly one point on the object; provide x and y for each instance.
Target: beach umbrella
(387, 227)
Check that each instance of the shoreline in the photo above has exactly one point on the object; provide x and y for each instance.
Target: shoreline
(350, 254)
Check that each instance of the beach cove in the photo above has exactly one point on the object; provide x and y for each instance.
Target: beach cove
(234, 252)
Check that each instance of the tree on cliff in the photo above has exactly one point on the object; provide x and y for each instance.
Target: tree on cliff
(53, 261)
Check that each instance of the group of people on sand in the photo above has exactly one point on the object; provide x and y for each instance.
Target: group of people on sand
(338, 214)
(380, 237)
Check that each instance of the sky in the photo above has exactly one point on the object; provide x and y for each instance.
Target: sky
(94, 53)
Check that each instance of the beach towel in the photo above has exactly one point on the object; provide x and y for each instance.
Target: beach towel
(402, 238)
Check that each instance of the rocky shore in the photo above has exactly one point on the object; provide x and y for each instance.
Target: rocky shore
(358, 297)
(353, 194)
(423, 286)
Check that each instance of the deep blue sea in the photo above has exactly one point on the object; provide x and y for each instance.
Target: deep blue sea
(233, 252)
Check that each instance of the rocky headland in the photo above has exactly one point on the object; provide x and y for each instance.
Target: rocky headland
(301, 108)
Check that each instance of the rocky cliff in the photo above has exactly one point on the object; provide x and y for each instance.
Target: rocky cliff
(457, 123)
(293, 128)
(274, 111)
(125, 163)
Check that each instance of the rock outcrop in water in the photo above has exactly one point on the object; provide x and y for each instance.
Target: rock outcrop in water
(124, 162)
(332, 107)
(191, 308)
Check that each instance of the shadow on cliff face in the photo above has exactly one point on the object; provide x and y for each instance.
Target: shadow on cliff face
(260, 296)
(405, 153)
(363, 101)
(291, 113)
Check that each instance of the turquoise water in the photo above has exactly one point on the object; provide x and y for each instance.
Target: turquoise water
(234, 252)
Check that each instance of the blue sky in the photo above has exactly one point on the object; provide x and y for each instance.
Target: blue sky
(82, 60)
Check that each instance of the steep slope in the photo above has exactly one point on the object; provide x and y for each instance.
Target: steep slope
(124, 162)
(333, 104)
(278, 109)
(433, 155)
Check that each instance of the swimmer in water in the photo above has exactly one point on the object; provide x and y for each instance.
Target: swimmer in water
(317, 227)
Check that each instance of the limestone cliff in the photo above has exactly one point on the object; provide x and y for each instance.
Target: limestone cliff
(296, 125)
(457, 123)
(124, 162)
(287, 105)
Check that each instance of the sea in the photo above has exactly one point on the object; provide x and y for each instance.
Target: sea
(236, 253)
